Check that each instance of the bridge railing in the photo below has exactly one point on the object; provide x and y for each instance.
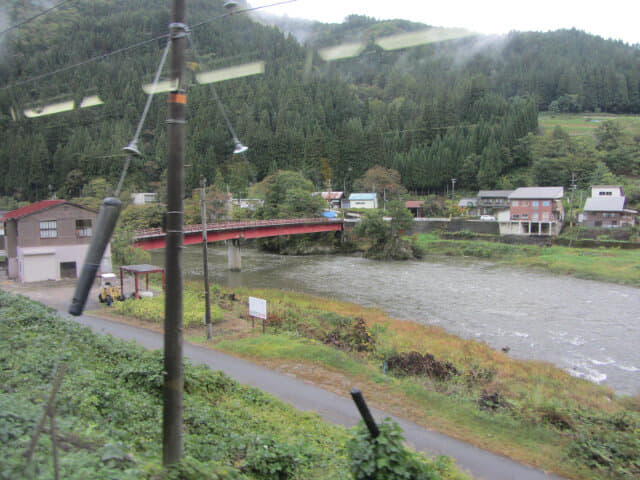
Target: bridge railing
(242, 225)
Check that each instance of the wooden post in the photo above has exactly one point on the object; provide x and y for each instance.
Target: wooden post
(47, 411)
(54, 442)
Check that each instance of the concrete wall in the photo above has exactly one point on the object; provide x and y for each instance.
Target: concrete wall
(427, 225)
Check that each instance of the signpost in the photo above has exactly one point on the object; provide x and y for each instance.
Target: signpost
(257, 308)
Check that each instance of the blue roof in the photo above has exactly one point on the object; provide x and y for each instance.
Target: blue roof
(363, 196)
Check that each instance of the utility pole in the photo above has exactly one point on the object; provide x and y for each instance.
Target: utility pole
(453, 187)
(573, 189)
(172, 423)
(205, 261)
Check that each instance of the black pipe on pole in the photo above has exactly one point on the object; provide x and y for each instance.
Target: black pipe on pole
(105, 224)
(205, 261)
(172, 423)
(365, 413)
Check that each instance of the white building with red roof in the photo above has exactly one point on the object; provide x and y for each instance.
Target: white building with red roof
(48, 240)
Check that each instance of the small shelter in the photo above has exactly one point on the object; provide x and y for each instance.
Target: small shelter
(334, 199)
(415, 207)
(138, 270)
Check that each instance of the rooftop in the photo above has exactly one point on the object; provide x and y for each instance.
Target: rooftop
(332, 195)
(604, 204)
(363, 196)
(29, 209)
(494, 193)
(534, 193)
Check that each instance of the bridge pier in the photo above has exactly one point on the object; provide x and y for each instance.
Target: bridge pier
(234, 258)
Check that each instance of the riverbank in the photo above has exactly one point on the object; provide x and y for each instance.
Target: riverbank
(108, 411)
(530, 411)
(608, 265)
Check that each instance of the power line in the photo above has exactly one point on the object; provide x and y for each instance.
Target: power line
(85, 62)
(133, 46)
(24, 22)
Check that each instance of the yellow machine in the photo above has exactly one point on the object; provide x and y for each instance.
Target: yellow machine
(109, 291)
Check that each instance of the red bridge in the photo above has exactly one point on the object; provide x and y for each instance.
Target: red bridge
(153, 238)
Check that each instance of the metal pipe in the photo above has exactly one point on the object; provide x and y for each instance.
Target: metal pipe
(106, 223)
(365, 413)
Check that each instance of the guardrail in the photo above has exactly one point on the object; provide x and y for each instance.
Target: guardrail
(243, 225)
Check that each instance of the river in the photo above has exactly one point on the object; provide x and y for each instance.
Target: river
(589, 328)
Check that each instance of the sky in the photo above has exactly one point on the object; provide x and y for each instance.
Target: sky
(616, 19)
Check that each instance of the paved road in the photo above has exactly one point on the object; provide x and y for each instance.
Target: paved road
(303, 396)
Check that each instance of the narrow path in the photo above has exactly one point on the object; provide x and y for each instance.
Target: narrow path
(302, 395)
(333, 408)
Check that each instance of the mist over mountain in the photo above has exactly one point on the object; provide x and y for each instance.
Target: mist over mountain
(458, 108)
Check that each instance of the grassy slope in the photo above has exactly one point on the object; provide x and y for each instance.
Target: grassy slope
(609, 265)
(108, 412)
(543, 413)
(584, 124)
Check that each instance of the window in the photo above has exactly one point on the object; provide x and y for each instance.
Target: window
(535, 204)
(83, 228)
(605, 193)
(515, 203)
(49, 229)
(525, 203)
(525, 215)
(1, 229)
(515, 217)
(534, 217)
(546, 203)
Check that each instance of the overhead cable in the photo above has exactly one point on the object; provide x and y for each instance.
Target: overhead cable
(24, 22)
(134, 46)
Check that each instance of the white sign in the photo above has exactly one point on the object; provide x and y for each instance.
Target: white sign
(258, 307)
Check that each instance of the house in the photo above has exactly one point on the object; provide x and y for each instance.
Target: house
(363, 200)
(144, 198)
(334, 199)
(246, 203)
(492, 202)
(415, 207)
(606, 208)
(470, 205)
(49, 240)
(606, 191)
(534, 211)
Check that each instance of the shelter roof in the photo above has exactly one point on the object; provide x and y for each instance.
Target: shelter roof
(332, 195)
(143, 268)
(413, 203)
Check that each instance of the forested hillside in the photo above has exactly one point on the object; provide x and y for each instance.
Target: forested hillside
(465, 108)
